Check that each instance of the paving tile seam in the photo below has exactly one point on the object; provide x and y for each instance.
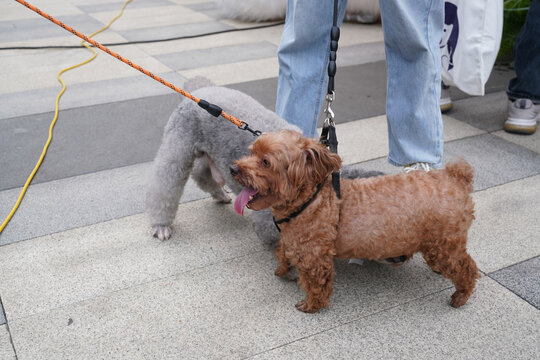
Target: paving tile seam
(53, 96)
(506, 183)
(149, 163)
(133, 286)
(3, 312)
(496, 131)
(8, 330)
(519, 262)
(513, 292)
(350, 321)
(509, 266)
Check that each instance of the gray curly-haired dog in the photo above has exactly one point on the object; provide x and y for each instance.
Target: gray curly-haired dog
(196, 143)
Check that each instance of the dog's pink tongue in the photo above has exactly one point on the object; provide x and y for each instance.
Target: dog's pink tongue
(242, 199)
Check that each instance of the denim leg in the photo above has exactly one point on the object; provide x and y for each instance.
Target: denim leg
(526, 84)
(303, 61)
(412, 31)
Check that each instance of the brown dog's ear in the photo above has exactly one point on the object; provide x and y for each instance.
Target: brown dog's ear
(321, 161)
(313, 165)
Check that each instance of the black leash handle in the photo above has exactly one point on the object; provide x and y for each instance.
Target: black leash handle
(334, 38)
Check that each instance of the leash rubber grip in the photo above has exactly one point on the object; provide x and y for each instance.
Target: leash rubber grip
(212, 109)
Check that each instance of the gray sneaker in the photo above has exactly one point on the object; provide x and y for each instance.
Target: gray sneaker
(522, 116)
(416, 166)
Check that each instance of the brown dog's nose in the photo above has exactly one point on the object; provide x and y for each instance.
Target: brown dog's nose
(234, 170)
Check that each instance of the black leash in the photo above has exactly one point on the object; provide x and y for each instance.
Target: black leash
(328, 133)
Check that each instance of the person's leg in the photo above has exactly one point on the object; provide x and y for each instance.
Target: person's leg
(412, 31)
(524, 90)
(303, 61)
(526, 84)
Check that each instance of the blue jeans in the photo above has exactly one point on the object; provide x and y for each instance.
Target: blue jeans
(412, 31)
(526, 84)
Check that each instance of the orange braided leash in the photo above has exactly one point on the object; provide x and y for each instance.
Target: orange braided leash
(212, 109)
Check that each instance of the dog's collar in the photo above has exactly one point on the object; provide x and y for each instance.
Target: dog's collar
(302, 208)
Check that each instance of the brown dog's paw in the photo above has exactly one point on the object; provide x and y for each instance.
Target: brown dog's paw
(458, 299)
(304, 307)
(281, 271)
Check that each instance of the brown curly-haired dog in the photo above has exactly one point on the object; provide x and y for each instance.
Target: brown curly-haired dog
(381, 217)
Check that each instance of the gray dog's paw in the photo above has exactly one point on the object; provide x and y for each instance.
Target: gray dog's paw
(221, 196)
(162, 232)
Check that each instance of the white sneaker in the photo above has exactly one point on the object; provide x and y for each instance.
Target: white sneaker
(445, 102)
(415, 167)
(522, 116)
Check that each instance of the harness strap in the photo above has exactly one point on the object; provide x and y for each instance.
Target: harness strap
(302, 208)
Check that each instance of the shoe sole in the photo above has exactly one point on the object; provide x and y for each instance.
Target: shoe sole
(446, 107)
(520, 129)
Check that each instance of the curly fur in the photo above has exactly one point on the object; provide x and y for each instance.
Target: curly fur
(380, 217)
(198, 144)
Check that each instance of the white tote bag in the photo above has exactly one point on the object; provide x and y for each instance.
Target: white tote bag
(470, 42)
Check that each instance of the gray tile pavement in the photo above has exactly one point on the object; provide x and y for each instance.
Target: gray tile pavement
(494, 160)
(2, 316)
(115, 5)
(232, 309)
(89, 281)
(218, 55)
(208, 8)
(56, 270)
(173, 31)
(505, 230)
(499, 325)
(522, 279)
(86, 139)
(73, 202)
(39, 101)
(531, 142)
(6, 349)
(486, 113)
(39, 27)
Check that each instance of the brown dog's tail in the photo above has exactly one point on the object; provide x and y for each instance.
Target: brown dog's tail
(462, 172)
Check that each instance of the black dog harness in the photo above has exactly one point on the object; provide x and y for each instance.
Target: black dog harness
(306, 204)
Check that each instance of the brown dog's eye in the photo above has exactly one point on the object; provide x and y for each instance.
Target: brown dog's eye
(265, 162)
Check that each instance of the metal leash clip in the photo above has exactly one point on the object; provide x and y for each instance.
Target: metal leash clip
(329, 120)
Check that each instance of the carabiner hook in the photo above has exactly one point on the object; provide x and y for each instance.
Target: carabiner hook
(330, 116)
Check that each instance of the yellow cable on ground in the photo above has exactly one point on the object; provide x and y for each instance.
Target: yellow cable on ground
(56, 109)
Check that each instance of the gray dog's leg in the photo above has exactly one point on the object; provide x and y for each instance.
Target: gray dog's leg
(263, 224)
(209, 179)
(172, 167)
